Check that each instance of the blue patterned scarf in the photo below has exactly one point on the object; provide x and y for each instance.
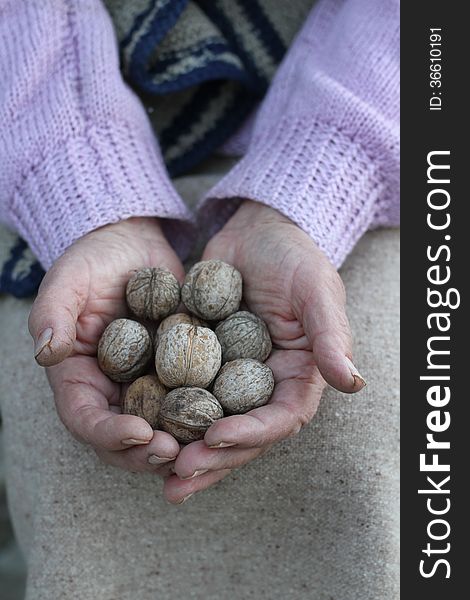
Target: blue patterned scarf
(200, 67)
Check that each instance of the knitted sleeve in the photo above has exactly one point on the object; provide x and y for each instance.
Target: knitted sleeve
(76, 148)
(324, 150)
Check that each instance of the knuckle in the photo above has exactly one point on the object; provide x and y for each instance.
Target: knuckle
(301, 419)
(342, 290)
(342, 325)
(348, 337)
(337, 286)
(72, 430)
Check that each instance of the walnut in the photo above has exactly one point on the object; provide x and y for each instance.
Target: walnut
(242, 385)
(176, 319)
(244, 335)
(188, 355)
(153, 293)
(188, 412)
(212, 290)
(143, 399)
(124, 350)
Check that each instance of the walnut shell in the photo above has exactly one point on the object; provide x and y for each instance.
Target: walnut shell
(188, 355)
(153, 293)
(143, 399)
(242, 385)
(244, 335)
(212, 290)
(124, 350)
(188, 412)
(176, 319)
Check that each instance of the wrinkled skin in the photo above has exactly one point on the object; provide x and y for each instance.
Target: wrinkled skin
(79, 296)
(293, 287)
(288, 282)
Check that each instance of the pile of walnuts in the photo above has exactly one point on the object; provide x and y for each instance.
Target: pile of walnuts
(201, 373)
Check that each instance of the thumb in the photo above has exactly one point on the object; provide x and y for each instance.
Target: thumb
(322, 312)
(53, 317)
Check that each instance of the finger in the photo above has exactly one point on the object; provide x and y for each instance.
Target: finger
(196, 459)
(100, 427)
(53, 317)
(321, 308)
(82, 394)
(177, 491)
(122, 461)
(292, 406)
(161, 450)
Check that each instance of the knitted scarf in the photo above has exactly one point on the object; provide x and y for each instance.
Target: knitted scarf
(200, 67)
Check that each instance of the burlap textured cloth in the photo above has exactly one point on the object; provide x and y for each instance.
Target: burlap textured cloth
(316, 518)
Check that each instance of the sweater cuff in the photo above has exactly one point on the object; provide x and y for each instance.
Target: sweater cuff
(103, 176)
(311, 173)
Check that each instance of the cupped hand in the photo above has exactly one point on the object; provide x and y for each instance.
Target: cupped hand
(291, 284)
(79, 296)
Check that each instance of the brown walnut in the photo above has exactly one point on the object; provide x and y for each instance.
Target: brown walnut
(176, 319)
(242, 385)
(212, 290)
(188, 412)
(153, 293)
(124, 350)
(244, 335)
(188, 355)
(143, 399)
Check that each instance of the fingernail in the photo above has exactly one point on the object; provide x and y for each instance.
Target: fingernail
(134, 442)
(195, 474)
(44, 339)
(223, 445)
(185, 498)
(153, 459)
(358, 378)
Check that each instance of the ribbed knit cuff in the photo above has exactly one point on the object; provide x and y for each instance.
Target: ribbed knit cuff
(103, 176)
(310, 172)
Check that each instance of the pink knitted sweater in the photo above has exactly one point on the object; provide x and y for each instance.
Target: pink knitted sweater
(77, 150)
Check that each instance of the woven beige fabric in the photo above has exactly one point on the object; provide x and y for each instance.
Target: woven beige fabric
(316, 518)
